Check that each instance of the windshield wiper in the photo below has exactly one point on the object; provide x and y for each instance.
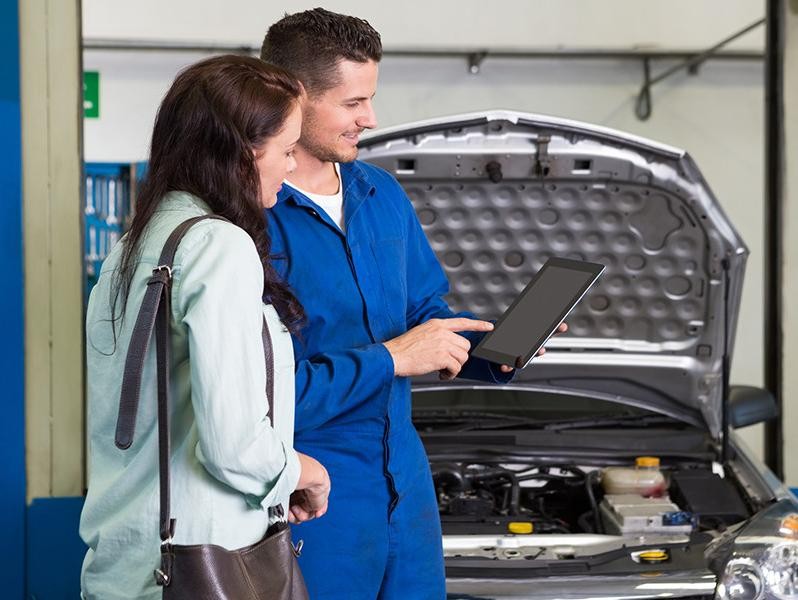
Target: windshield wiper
(494, 422)
(470, 419)
(625, 420)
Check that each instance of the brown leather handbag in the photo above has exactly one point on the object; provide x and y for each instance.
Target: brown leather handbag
(267, 570)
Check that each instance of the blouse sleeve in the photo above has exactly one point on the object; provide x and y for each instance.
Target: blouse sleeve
(217, 296)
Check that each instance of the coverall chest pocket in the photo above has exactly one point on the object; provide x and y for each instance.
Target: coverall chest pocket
(390, 260)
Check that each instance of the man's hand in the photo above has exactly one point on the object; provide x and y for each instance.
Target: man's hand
(561, 329)
(433, 346)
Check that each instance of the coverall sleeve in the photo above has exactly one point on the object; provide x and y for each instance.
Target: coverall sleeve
(426, 287)
(356, 380)
(218, 297)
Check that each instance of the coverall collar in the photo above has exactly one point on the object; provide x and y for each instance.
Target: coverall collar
(356, 185)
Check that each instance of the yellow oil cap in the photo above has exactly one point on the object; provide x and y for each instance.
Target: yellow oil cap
(653, 556)
(789, 526)
(647, 461)
(520, 527)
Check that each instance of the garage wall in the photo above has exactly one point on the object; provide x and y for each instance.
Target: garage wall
(716, 115)
(443, 23)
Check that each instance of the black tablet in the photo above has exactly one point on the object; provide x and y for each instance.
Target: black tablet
(538, 311)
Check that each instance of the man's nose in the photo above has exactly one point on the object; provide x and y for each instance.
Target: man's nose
(368, 119)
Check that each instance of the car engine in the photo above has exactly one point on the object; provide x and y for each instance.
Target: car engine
(480, 498)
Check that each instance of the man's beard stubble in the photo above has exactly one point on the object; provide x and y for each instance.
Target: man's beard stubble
(318, 149)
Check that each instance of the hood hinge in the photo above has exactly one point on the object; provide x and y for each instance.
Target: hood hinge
(542, 159)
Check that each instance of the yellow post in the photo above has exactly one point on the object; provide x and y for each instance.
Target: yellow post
(52, 182)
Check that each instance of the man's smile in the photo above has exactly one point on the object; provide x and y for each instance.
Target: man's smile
(352, 137)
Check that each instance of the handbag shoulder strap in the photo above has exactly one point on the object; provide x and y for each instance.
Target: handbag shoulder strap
(159, 282)
(268, 355)
(155, 313)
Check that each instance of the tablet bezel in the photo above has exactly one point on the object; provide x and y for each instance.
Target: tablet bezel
(519, 362)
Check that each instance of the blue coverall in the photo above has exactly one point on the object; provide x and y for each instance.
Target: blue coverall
(381, 537)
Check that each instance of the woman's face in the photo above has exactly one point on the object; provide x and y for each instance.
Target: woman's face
(275, 159)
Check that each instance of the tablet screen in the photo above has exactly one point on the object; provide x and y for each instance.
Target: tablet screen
(539, 310)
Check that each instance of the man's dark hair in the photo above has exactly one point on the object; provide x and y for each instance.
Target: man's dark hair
(310, 44)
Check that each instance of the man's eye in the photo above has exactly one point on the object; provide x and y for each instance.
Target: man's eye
(352, 104)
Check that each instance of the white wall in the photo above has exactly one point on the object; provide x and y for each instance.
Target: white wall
(717, 115)
(444, 23)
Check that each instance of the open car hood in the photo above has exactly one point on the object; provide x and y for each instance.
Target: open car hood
(499, 192)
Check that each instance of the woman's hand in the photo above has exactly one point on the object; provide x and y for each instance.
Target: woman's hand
(309, 500)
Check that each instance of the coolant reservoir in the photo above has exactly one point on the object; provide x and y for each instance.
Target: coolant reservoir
(644, 478)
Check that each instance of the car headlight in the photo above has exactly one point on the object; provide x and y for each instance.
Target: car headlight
(762, 561)
(780, 570)
(742, 580)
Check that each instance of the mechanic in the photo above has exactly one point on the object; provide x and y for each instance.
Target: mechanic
(347, 241)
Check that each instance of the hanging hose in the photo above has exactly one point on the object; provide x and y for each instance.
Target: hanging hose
(591, 478)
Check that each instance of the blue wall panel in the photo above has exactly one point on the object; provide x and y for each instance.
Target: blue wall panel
(55, 551)
(12, 399)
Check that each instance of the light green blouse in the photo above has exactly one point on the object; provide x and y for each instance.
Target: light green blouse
(228, 463)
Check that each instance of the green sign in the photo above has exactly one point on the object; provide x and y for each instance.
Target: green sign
(91, 94)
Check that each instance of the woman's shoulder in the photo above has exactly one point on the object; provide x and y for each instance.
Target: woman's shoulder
(217, 263)
(206, 238)
(212, 250)
(217, 239)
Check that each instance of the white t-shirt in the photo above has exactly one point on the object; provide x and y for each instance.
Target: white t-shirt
(332, 204)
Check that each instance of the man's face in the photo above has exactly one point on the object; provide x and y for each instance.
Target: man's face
(334, 119)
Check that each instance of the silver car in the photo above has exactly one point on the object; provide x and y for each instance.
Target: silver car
(526, 473)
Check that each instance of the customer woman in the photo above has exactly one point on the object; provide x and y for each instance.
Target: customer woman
(222, 144)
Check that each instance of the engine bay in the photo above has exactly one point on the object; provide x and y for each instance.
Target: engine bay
(495, 499)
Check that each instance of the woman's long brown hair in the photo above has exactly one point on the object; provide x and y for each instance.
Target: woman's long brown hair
(212, 118)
